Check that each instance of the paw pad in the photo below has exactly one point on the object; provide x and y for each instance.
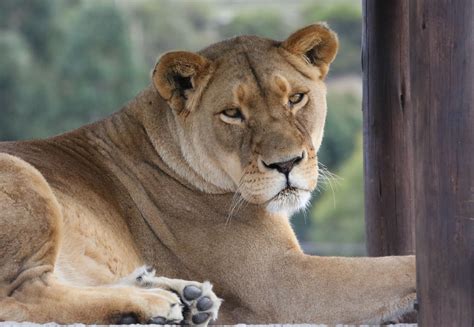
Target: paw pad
(204, 304)
(198, 303)
(200, 318)
(128, 319)
(191, 292)
(157, 321)
(201, 303)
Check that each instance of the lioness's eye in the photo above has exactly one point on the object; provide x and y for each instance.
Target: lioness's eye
(233, 113)
(295, 98)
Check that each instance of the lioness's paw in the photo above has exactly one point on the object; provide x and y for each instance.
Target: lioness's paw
(151, 306)
(400, 311)
(201, 304)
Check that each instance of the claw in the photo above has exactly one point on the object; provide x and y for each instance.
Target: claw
(149, 269)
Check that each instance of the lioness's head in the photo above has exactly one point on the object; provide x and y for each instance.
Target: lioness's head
(250, 113)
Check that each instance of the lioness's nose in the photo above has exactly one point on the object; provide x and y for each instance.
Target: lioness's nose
(284, 167)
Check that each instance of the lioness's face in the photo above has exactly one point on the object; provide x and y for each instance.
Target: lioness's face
(252, 113)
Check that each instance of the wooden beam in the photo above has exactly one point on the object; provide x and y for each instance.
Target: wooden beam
(442, 88)
(388, 157)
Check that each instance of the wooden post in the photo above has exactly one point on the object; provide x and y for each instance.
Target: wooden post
(442, 88)
(388, 158)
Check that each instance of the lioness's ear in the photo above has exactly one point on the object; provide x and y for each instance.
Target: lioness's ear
(180, 77)
(317, 44)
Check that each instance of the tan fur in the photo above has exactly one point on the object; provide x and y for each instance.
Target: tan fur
(192, 194)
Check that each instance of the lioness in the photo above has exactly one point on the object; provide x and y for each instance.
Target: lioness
(156, 183)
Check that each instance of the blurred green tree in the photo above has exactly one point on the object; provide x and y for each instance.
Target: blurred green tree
(339, 214)
(158, 28)
(344, 121)
(95, 70)
(15, 64)
(35, 21)
(30, 36)
(344, 17)
(258, 21)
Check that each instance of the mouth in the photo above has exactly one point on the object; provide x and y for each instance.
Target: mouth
(286, 192)
(289, 200)
(289, 191)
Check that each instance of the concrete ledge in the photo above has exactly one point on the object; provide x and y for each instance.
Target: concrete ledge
(25, 324)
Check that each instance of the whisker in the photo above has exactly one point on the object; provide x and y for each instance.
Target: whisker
(329, 178)
(237, 198)
(306, 210)
(233, 205)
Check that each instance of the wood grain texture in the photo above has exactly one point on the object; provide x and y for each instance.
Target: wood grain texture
(441, 73)
(419, 147)
(388, 157)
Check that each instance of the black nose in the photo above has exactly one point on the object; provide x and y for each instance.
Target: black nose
(284, 167)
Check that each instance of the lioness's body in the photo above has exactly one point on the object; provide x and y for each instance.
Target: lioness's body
(119, 193)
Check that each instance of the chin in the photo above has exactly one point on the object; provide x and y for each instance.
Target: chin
(289, 201)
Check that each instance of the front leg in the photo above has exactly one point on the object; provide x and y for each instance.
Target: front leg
(201, 305)
(344, 290)
(269, 279)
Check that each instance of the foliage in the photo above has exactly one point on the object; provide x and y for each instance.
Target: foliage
(344, 119)
(344, 17)
(267, 23)
(34, 21)
(15, 65)
(338, 215)
(159, 28)
(95, 69)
